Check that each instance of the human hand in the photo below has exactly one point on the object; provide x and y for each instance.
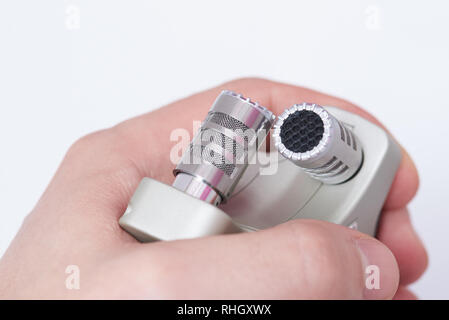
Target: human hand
(76, 223)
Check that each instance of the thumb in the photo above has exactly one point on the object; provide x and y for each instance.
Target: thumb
(302, 259)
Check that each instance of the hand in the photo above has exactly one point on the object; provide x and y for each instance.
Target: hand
(76, 223)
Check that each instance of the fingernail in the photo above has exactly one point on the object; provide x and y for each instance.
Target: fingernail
(380, 269)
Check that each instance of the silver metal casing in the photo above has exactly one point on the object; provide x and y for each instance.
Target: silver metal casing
(160, 212)
(334, 157)
(220, 152)
(262, 199)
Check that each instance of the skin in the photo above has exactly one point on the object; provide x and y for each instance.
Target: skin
(76, 223)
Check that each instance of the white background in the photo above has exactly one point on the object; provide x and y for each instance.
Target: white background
(71, 67)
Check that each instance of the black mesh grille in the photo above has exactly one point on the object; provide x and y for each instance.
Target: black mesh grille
(302, 131)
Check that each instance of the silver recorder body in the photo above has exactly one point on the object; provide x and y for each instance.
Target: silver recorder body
(272, 193)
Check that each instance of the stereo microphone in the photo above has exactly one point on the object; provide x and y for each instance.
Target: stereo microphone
(313, 139)
(223, 147)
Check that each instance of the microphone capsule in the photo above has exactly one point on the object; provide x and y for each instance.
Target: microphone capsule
(316, 141)
(225, 144)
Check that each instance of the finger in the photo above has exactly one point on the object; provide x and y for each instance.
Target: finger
(404, 294)
(297, 260)
(397, 233)
(141, 146)
(407, 175)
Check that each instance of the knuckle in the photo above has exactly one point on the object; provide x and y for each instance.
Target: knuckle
(89, 144)
(308, 233)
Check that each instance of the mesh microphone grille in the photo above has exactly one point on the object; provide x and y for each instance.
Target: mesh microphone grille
(226, 121)
(221, 151)
(201, 153)
(302, 131)
(312, 138)
(225, 142)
